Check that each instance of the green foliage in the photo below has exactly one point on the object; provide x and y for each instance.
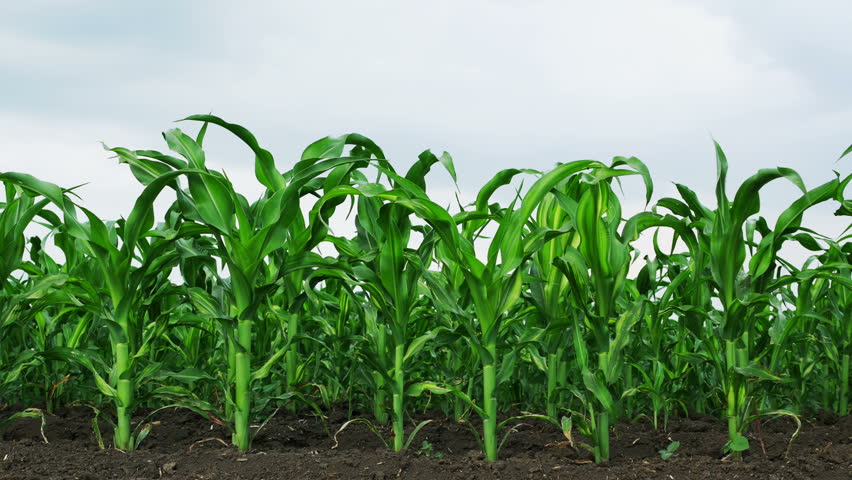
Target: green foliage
(532, 297)
(428, 450)
(669, 451)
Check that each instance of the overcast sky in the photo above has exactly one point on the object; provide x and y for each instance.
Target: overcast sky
(498, 84)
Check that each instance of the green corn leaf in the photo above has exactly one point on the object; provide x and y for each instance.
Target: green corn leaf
(416, 345)
(271, 362)
(721, 178)
(755, 371)
(145, 170)
(508, 367)
(79, 357)
(184, 145)
(187, 375)
(598, 388)
(580, 349)
(204, 302)
(264, 169)
(623, 327)
(789, 219)
(214, 201)
(417, 389)
(426, 160)
(641, 169)
(738, 443)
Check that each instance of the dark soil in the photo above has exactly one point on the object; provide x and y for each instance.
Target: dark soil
(184, 445)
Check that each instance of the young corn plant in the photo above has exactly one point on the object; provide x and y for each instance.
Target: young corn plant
(550, 293)
(821, 301)
(335, 329)
(496, 285)
(742, 288)
(665, 344)
(597, 271)
(526, 305)
(117, 287)
(25, 300)
(246, 235)
(381, 263)
(18, 210)
(831, 296)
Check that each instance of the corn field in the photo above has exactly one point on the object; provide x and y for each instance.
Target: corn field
(488, 314)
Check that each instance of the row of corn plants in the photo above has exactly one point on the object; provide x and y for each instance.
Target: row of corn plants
(538, 307)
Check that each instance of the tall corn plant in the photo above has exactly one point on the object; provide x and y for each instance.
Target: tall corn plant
(390, 272)
(25, 296)
(550, 293)
(120, 282)
(830, 298)
(742, 288)
(812, 311)
(55, 319)
(494, 286)
(837, 259)
(597, 272)
(303, 237)
(246, 235)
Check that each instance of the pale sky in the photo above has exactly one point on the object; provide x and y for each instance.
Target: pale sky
(497, 84)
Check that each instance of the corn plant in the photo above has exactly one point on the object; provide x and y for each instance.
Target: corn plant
(664, 347)
(245, 236)
(16, 212)
(527, 304)
(741, 288)
(820, 295)
(382, 264)
(494, 286)
(597, 270)
(122, 284)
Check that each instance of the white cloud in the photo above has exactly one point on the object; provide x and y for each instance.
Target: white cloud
(473, 68)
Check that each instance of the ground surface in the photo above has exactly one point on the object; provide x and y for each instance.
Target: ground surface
(183, 445)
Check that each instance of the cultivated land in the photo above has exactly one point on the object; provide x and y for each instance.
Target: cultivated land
(534, 357)
(296, 447)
